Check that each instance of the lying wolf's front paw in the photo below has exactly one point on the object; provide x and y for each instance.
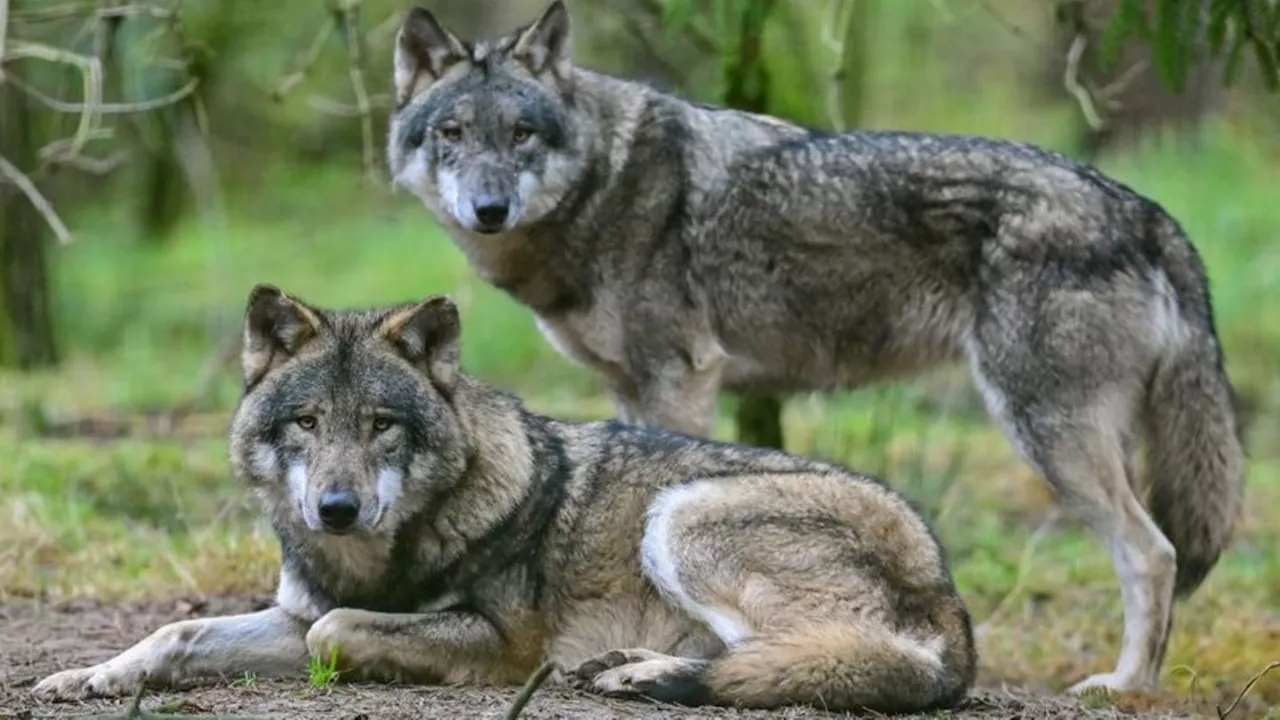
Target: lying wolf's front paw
(344, 631)
(97, 681)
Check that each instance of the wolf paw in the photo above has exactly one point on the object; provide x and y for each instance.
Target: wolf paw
(642, 673)
(1108, 683)
(583, 675)
(97, 681)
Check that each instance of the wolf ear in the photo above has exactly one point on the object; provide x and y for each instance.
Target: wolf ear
(423, 47)
(547, 44)
(427, 336)
(276, 327)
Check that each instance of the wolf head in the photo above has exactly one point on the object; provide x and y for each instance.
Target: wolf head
(483, 132)
(347, 423)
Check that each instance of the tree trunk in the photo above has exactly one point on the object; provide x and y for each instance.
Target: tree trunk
(26, 317)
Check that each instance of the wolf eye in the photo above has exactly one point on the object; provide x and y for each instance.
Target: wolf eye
(416, 137)
(382, 424)
(521, 134)
(449, 132)
(306, 422)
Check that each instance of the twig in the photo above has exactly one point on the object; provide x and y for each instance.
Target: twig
(108, 108)
(94, 165)
(350, 10)
(89, 68)
(841, 16)
(526, 693)
(1122, 82)
(38, 201)
(313, 53)
(1071, 79)
(69, 10)
(384, 31)
(330, 106)
(4, 33)
(1222, 714)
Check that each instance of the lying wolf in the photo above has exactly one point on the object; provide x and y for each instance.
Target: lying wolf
(678, 249)
(434, 530)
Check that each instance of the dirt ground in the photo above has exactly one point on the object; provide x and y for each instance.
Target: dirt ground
(37, 640)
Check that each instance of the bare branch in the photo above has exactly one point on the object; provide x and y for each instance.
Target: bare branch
(1222, 714)
(1109, 91)
(37, 200)
(108, 108)
(350, 10)
(97, 166)
(4, 33)
(90, 69)
(313, 53)
(73, 10)
(329, 106)
(1071, 80)
(384, 31)
(841, 16)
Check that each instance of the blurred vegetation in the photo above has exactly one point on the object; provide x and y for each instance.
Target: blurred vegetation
(269, 168)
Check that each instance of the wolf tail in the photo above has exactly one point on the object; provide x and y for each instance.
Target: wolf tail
(847, 667)
(1195, 458)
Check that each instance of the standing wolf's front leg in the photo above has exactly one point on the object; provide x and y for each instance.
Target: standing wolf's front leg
(267, 643)
(675, 379)
(438, 647)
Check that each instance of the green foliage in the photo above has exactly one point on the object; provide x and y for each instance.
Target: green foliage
(1233, 27)
(323, 674)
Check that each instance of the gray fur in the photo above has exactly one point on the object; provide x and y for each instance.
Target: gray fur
(678, 249)
(644, 563)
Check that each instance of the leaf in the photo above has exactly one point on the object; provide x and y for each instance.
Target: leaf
(1167, 54)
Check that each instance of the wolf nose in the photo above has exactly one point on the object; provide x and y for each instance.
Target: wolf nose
(491, 211)
(338, 510)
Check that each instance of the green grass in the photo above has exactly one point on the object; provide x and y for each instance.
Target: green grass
(323, 674)
(138, 518)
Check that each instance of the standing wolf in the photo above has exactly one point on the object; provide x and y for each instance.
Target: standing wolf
(434, 530)
(678, 249)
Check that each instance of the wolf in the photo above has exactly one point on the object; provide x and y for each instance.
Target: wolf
(679, 249)
(433, 529)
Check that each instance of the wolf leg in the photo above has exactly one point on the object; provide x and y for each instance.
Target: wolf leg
(1095, 487)
(676, 394)
(779, 567)
(447, 647)
(1087, 459)
(267, 643)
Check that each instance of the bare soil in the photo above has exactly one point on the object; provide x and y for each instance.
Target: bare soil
(36, 640)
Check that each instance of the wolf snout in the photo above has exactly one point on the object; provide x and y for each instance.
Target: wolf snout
(491, 212)
(339, 510)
